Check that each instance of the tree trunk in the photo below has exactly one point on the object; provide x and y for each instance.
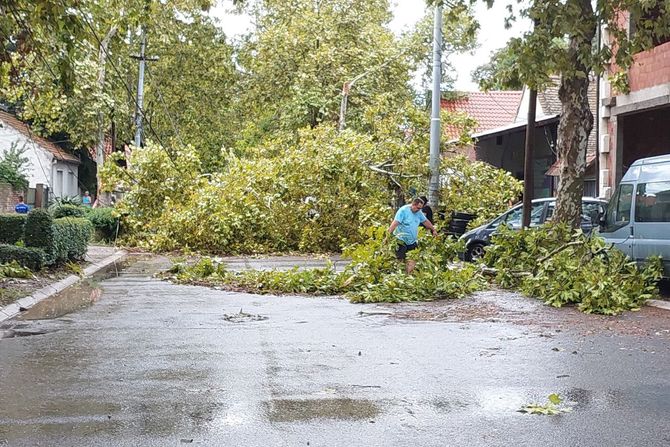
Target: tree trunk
(576, 121)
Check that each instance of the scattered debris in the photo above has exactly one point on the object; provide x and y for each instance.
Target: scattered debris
(243, 317)
(552, 407)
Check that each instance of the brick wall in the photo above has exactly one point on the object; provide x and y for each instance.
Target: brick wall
(650, 68)
(9, 198)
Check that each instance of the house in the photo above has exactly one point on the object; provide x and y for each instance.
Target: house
(635, 124)
(49, 165)
(500, 137)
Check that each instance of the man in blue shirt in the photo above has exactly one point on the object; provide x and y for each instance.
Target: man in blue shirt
(405, 227)
(21, 207)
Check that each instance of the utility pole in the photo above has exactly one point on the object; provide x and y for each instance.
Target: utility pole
(100, 138)
(139, 111)
(140, 93)
(434, 185)
(528, 179)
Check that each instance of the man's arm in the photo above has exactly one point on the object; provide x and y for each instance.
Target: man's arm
(393, 226)
(429, 225)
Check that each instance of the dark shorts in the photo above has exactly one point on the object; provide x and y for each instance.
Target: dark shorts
(401, 252)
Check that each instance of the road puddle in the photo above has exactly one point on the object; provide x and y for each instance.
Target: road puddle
(81, 295)
(72, 299)
(295, 410)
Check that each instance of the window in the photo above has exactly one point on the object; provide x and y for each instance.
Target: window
(589, 188)
(499, 140)
(652, 202)
(514, 218)
(618, 213)
(58, 187)
(590, 213)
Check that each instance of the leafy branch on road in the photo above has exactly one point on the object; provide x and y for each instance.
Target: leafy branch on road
(372, 276)
(550, 408)
(561, 266)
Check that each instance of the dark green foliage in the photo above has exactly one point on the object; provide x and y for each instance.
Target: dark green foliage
(66, 209)
(71, 237)
(61, 239)
(561, 267)
(32, 258)
(105, 221)
(11, 228)
(38, 232)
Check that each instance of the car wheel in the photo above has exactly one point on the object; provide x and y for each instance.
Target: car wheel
(476, 251)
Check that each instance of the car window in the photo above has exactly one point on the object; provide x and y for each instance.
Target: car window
(652, 202)
(590, 212)
(514, 218)
(618, 211)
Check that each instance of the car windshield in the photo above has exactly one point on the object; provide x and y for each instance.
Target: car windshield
(513, 218)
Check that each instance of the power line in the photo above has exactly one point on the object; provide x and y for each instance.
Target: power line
(47, 65)
(167, 111)
(128, 89)
(32, 138)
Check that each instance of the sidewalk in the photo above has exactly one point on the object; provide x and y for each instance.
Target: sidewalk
(99, 257)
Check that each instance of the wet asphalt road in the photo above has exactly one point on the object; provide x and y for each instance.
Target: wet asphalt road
(149, 363)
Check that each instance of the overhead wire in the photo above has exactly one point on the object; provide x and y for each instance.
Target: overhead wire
(48, 66)
(139, 109)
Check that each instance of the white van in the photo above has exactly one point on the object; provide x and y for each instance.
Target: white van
(638, 215)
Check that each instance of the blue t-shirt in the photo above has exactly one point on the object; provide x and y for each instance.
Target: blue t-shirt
(408, 228)
(21, 208)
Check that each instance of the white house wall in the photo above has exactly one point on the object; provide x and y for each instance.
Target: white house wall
(40, 160)
(65, 182)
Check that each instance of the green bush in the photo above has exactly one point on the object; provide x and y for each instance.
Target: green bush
(67, 210)
(38, 232)
(11, 228)
(32, 258)
(105, 221)
(71, 238)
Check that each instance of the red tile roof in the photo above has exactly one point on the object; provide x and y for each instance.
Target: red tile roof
(24, 129)
(489, 109)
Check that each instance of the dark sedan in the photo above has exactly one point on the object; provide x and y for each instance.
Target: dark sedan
(477, 239)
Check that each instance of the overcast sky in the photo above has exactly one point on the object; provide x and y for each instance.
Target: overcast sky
(492, 35)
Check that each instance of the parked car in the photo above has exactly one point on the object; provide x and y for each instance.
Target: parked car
(638, 217)
(477, 239)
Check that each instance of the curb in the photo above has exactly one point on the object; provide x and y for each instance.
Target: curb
(27, 302)
(659, 304)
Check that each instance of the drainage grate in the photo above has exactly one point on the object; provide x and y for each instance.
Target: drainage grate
(243, 317)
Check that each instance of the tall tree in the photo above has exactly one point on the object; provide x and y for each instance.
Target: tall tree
(563, 43)
(303, 51)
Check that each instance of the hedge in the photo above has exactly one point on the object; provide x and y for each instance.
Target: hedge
(67, 210)
(71, 238)
(105, 222)
(11, 228)
(32, 258)
(64, 239)
(38, 232)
